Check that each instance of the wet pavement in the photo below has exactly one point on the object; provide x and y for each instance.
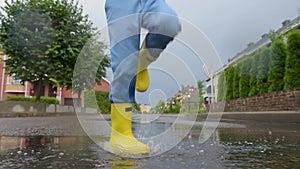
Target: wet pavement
(59, 142)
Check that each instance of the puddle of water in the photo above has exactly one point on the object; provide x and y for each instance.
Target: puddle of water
(256, 145)
(261, 145)
(47, 152)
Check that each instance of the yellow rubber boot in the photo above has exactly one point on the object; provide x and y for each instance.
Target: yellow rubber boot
(142, 78)
(122, 140)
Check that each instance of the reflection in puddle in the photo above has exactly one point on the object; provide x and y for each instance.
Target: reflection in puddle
(257, 145)
(47, 152)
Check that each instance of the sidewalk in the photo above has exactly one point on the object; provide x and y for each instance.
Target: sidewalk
(267, 116)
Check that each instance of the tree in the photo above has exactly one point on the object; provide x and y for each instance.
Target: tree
(90, 66)
(221, 87)
(229, 75)
(263, 70)
(43, 39)
(160, 106)
(236, 81)
(253, 75)
(244, 83)
(292, 76)
(277, 66)
(272, 35)
(200, 90)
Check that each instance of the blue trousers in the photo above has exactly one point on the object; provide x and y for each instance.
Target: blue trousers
(125, 19)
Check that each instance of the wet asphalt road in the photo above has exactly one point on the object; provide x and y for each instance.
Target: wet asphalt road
(235, 144)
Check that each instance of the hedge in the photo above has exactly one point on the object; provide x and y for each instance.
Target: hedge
(267, 70)
(277, 66)
(48, 100)
(98, 100)
(292, 69)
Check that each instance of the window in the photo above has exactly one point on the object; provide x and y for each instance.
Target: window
(16, 80)
(8, 79)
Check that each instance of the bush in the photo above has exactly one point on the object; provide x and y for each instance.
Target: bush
(229, 76)
(202, 111)
(263, 70)
(253, 75)
(48, 100)
(221, 88)
(277, 66)
(173, 109)
(101, 103)
(236, 80)
(292, 76)
(244, 83)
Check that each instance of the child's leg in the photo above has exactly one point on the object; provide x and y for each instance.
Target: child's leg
(124, 30)
(162, 23)
(163, 26)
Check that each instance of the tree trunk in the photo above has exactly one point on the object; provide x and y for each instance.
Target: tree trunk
(78, 98)
(39, 90)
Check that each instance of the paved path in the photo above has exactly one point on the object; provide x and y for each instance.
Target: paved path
(57, 125)
(70, 125)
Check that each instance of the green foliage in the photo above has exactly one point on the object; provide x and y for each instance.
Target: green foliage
(263, 70)
(277, 66)
(136, 107)
(236, 81)
(221, 87)
(48, 100)
(229, 75)
(272, 35)
(269, 69)
(174, 108)
(202, 111)
(200, 90)
(43, 39)
(160, 107)
(90, 66)
(244, 81)
(253, 75)
(101, 103)
(292, 77)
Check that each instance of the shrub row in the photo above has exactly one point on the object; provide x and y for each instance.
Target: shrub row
(98, 100)
(269, 69)
(48, 100)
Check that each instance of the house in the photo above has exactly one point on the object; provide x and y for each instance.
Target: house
(187, 96)
(11, 86)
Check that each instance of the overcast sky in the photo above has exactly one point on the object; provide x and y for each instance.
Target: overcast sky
(229, 24)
